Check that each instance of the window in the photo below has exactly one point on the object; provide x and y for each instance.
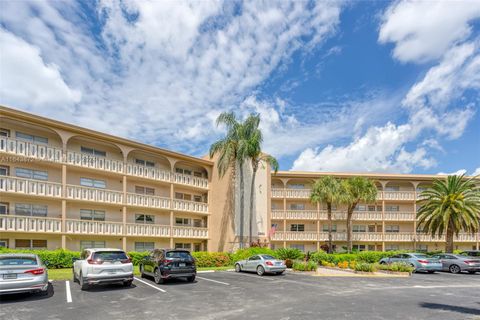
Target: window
(3, 243)
(371, 247)
(4, 170)
(26, 209)
(297, 227)
(4, 207)
(379, 208)
(30, 244)
(93, 152)
(359, 228)
(4, 132)
(300, 247)
(392, 247)
(184, 171)
(297, 206)
(197, 174)
(94, 215)
(371, 228)
(334, 207)
(84, 244)
(29, 137)
(422, 247)
(186, 246)
(358, 247)
(31, 174)
(197, 223)
(361, 207)
(392, 188)
(144, 190)
(182, 221)
(197, 198)
(325, 228)
(420, 189)
(144, 246)
(197, 247)
(372, 208)
(392, 208)
(296, 186)
(145, 163)
(87, 182)
(392, 228)
(178, 195)
(144, 218)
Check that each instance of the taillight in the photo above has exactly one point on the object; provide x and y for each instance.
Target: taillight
(423, 261)
(470, 262)
(269, 263)
(36, 272)
(91, 261)
(128, 260)
(167, 261)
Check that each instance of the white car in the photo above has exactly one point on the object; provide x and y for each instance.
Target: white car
(99, 266)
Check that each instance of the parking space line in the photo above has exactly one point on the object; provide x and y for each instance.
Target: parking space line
(249, 275)
(69, 293)
(227, 284)
(150, 285)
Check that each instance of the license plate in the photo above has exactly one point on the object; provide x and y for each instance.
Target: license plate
(181, 264)
(10, 276)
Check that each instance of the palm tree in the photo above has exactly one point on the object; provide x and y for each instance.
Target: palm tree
(326, 190)
(253, 150)
(356, 190)
(451, 205)
(232, 152)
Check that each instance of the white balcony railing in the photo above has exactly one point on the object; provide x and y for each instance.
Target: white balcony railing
(294, 236)
(30, 224)
(396, 195)
(141, 200)
(30, 187)
(400, 216)
(192, 206)
(148, 230)
(31, 150)
(94, 194)
(190, 180)
(137, 170)
(190, 232)
(93, 162)
(93, 227)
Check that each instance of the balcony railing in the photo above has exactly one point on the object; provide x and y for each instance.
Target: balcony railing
(30, 224)
(93, 227)
(94, 194)
(148, 230)
(190, 232)
(342, 215)
(192, 206)
(400, 216)
(305, 194)
(190, 180)
(30, 187)
(31, 150)
(396, 195)
(93, 162)
(137, 170)
(295, 236)
(141, 200)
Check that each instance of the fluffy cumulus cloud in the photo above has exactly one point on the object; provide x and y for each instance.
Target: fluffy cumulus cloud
(476, 172)
(431, 103)
(159, 71)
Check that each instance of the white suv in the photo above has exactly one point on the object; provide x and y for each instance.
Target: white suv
(97, 266)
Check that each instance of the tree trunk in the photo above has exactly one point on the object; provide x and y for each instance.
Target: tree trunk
(329, 214)
(242, 204)
(252, 201)
(449, 240)
(349, 226)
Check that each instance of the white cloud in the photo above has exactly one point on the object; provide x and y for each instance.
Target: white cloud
(27, 79)
(423, 30)
(455, 173)
(476, 172)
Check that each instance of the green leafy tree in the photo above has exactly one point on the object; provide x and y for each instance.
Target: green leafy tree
(353, 191)
(451, 205)
(327, 190)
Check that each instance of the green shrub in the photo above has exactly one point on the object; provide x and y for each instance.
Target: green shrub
(364, 256)
(396, 267)
(212, 259)
(289, 253)
(55, 258)
(304, 266)
(242, 254)
(137, 256)
(365, 267)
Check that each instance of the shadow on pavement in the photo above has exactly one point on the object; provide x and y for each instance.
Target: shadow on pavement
(446, 307)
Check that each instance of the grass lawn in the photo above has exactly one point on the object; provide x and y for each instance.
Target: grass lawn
(66, 274)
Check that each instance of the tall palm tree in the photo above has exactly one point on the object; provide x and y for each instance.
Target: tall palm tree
(232, 152)
(450, 205)
(327, 190)
(356, 190)
(253, 150)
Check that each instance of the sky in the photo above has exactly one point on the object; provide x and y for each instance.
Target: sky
(355, 86)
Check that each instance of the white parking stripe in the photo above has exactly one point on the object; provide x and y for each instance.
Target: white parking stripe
(69, 293)
(150, 285)
(249, 275)
(227, 284)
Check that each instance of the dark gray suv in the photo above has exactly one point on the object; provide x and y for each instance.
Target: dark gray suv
(163, 264)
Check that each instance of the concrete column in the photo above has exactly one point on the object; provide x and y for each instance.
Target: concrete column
(11, 243)
(318, 226)
(124, 243)
(383, 223)
(171, 230)
(64, 222)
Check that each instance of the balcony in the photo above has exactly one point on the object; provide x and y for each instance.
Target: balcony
(30, 150)
(291, 193)
(92, 162)
(30, 224)
(141, 200)
(294, 214)
(136, 170)
(148, 230)
(94, 194)
(294, 236)
(191, 206)
(189, 180)
(400, 216)
(94, 227)
(30, 187)
(190, 232)
(396, 195)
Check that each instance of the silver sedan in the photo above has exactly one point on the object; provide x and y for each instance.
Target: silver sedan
(261, 264)
(456, 263)
(21, 272)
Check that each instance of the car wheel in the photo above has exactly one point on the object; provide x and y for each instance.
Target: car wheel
(157, 276)
(127, 283)
(414, 268)
(142, 275)
(383, 262)
(454, 269)
(260, 271)
(238, 268)
(191, 278)
(83, 285)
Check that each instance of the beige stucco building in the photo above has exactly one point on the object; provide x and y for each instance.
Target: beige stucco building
(63, 186)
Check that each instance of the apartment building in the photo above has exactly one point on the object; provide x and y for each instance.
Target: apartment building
(63, 186)
(388, 224)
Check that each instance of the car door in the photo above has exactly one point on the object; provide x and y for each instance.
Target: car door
(395, 258)
(406, 258)
(252, 263)
(443, 259)
(77, 265)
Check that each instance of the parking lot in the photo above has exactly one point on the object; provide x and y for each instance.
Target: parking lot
(221, 295)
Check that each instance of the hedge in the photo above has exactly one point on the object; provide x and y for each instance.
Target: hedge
(243, 254)
(212, 259)
(56, 258)
(364, 256)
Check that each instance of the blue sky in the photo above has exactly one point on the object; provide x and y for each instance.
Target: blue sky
(341, 86)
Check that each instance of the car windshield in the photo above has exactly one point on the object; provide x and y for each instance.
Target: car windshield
(268, 257)
(421, 256)
(178, 254)
(17, 261)
(110, 255)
